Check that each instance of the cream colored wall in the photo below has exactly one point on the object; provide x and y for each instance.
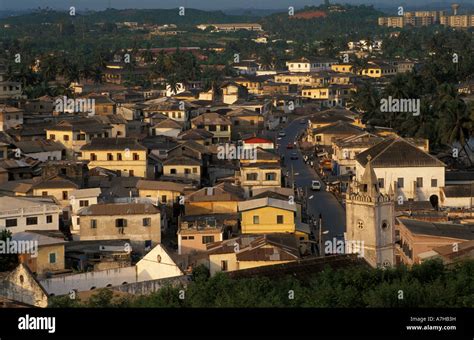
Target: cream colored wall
(188, 246)
(261, 181)
(213, 207)
(180, 171)
(57, 193)
(254, 264)
(135, 231)
(42, 261)
(319, 93)
(127, 163)
(343, 68)
(215, 262)
(171, 196)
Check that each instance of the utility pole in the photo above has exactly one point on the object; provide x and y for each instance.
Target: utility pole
(320, 235)
(292, 178)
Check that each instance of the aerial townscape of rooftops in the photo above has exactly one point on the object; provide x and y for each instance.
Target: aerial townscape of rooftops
(148, 156)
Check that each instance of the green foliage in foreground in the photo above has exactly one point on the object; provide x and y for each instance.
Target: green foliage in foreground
(428, 285)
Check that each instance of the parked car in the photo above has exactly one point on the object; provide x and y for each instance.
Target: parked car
(281, 133)
(289, 146)
(294, 155)
(316, 185)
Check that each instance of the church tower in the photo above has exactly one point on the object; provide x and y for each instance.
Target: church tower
(370, 219)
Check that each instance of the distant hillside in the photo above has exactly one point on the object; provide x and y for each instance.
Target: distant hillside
(155, 16)
(318, 23)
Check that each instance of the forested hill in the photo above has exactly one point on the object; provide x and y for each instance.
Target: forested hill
(152, 16)
(319, 23)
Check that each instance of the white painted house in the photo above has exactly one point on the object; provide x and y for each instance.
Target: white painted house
(19, 214)
(157, 264)
(412, 173)
(81, 199)
(306, 65)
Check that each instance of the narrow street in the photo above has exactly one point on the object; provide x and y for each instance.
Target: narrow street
(319, 202)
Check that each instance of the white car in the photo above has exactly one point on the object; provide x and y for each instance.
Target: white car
(316, 185)
(281, 134)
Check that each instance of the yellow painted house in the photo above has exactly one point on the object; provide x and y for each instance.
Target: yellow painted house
(269, 215)
(160, 191)
(342, 68)
(124, 155)
(75, 134)
(377, 70)
(251, 251)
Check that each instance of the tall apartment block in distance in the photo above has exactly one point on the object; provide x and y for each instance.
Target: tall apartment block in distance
(427, 18)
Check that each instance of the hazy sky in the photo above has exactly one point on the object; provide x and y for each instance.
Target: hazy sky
(201, 4)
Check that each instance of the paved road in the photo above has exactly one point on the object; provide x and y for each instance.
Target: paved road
(323, 202)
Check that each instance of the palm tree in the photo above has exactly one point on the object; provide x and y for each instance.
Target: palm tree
(147, 56)
(172, 81)
(97, 75)
(366, 100)
(455, 125)
(49, 68)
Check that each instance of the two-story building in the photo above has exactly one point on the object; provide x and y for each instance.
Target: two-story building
(218, 125)
(124, 155)
(412, 173)
(74, 134)
(19, 214)
(139, 222)
(262, 172)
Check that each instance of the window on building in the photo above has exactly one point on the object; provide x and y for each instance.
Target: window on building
(93, 157)
(78, 221)
(147, 222)
(207, 239)
(187, 171)
(212, 128)
(66, 137)
(224, 265)
(252, 177)
(52, 137)
(81, 136)
(148, 244)
(31, 220)
(119, 156)
(93, 224)
(381, 182)
(270, 176)
(110, 157)
(65, 195)
(49, 218)
(224, 128)
(318, 138)
(120, 222)
(256, 220)
(163, 199)
(44, 193)
(136, 157)
(84, 203)
(400, 182)
(52, 258)
(419, 182)
(11, 222)
(191, 237)
(131, 173)
(184, 237)
(195, 170)
(279, 219)
(172, 171)
(434, 183)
